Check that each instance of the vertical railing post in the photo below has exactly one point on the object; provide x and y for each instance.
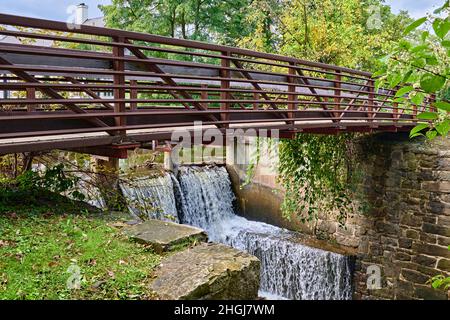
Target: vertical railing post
(292, 96)
(395, 113)
(31, 95)
(432, 99)
(337, 93)
(119, 80)
(256, 98)
(133, 94)
(414, 111)
(225, 84)
(204, 94)
(370, 102)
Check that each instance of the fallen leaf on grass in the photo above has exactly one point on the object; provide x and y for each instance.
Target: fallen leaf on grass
(98, 284)
(92, 262)
(5, 243)
(118, 225)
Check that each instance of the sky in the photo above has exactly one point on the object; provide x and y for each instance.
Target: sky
(56, 9)
(416, 8)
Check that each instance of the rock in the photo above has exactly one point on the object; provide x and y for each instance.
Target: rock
(436, 229)
(444, 264)
(165, 236)
(414, 276)
(425, 260)
(208, 271)
(428, 293)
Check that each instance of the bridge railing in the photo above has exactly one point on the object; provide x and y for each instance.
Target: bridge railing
(66, 80)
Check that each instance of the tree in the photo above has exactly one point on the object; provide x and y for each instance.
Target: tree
(420, 61)
(206, 20)
(329, 31)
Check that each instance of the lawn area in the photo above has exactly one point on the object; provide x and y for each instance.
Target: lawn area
(46, 253)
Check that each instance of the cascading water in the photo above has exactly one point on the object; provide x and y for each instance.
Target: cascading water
(152, 198)
(289, 270)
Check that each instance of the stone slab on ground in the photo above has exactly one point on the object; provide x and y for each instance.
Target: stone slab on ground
(208, 271)
(165, 236)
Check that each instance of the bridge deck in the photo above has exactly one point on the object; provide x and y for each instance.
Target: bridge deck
(89, 87)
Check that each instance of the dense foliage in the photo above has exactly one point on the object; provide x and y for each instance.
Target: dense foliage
(349, 33)
(212, 20)
(421, 63)
(315, 171)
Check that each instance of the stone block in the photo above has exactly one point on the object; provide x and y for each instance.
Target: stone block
(424, 260)
(164, 236)
(410, 220)
(436, 229)
(429, 293)
(411, 234)
(428, 238)
(431, 249)
(208, 271)
(405, 243)
(386, 228)
(444, 265)
(443, 241)
(436, 186)
(414, 276)
(402, 256)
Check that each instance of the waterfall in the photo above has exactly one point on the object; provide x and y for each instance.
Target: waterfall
(151, 198)
(203, 197)
(288, 269)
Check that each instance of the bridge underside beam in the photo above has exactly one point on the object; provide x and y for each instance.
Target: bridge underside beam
(116, 147)
(50, 123)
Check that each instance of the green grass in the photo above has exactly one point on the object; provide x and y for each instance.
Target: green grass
(39, 244)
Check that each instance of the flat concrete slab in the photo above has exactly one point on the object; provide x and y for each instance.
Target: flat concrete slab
(208, 271)
(165, 236)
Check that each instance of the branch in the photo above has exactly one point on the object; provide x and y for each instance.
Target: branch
(420, 68)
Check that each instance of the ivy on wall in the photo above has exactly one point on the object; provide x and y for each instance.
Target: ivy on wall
(316, 173)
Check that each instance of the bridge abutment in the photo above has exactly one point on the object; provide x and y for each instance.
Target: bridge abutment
(107, 175)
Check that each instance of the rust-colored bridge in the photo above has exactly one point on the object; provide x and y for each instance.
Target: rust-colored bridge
(104, 90)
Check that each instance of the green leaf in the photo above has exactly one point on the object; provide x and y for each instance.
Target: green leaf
(379, 73)
(431, 134)
(443, 128)
(402, 91)
(401, 99)
(427, 116)
(414, 25)
(431, 83)
(395, 80)
(424, 35)
(432, 61)
(446, 43)
(441, 27)
(418, 48)
(417, 129)
(420, 62)
(418, 98)
(443, 105)
(407, 76)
